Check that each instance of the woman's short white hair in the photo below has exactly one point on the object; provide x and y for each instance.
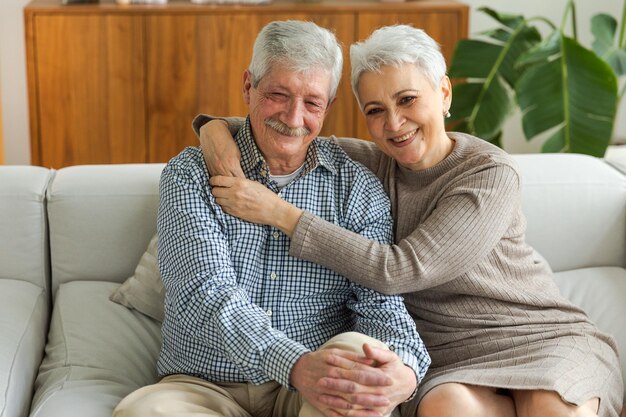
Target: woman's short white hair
(395, 46)
(301, 46)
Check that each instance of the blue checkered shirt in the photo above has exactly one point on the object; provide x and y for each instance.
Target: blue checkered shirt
(238, 308)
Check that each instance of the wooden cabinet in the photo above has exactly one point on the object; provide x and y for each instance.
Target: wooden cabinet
(115, 84)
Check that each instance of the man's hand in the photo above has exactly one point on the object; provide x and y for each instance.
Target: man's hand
(253, 202)
(313, 367)
(327, 379)
(221, 154)
(345, 390)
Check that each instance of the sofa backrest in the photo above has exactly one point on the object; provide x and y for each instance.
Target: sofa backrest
(102, 217)
(101, 220)
(576, 210)
(23, 226)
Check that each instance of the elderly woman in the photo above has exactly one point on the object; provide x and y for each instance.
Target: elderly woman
(503, 341)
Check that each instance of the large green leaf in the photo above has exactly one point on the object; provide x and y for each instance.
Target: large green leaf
(483, 101)
(511, 21)
(487, 119)
(604, 27)
(570, 92)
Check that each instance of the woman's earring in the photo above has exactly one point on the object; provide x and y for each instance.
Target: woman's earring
(447, 114)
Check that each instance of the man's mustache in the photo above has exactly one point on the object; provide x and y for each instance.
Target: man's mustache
(283, 129)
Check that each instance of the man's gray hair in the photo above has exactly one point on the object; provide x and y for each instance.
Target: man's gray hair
(302, 46)
(395, 46)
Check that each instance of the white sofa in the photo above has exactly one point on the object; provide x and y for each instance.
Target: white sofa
(101, 218)
(24, 284)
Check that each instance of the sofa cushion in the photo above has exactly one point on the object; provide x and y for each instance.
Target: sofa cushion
(101, 220)
(23, 324)
(144, 291)
(600, 293)
(575, 210)
(616, 157)
(97, 353)
(23, 249)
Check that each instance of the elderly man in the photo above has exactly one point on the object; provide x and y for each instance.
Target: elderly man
(244, 321)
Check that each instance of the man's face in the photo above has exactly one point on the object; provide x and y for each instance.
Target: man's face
(287, 111)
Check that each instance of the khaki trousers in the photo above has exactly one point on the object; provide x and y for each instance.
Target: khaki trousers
(187, 396)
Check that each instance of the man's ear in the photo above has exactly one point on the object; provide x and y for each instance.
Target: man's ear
(247, 85)
(330, 105)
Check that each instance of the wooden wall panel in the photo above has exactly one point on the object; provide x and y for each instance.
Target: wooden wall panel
(196, 64)
(115, 84)
(90, 90)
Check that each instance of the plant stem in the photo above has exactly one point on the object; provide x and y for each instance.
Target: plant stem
(570, 6)
(567, 132)
(622, 28)
(546, 21)
(574, 20)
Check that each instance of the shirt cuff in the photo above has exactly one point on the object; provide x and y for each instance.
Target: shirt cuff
(280, 358)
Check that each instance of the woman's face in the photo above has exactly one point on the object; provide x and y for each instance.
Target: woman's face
(405, 115)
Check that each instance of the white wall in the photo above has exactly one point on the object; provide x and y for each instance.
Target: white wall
(13, 65)
(13, 83)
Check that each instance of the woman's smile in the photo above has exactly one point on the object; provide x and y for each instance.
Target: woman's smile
(404, 139)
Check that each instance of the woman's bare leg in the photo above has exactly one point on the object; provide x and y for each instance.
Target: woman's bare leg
(454, 400)
(539, 403)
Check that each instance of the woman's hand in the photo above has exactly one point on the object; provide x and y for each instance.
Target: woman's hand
(253, 202)
(221, 154)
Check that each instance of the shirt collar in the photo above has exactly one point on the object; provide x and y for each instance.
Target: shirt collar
(253, 163)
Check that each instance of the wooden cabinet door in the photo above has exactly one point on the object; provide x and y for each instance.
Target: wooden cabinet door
(195, 63)
(446, 25)
(90, 90)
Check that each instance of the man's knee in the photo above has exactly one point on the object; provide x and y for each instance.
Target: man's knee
(353, 342)
(141, 403)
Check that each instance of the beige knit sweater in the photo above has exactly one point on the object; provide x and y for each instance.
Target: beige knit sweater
(485, 305)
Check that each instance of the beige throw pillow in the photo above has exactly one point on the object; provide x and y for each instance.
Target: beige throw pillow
(144, 291)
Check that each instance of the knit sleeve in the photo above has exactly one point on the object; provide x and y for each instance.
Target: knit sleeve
(234, 123)
(471, 216)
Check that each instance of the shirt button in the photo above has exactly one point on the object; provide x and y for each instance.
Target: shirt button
(263, 173)
(276, 235)
(273, 275)
(269, 312)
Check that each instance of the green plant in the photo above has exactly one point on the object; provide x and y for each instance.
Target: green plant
(565, 92)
